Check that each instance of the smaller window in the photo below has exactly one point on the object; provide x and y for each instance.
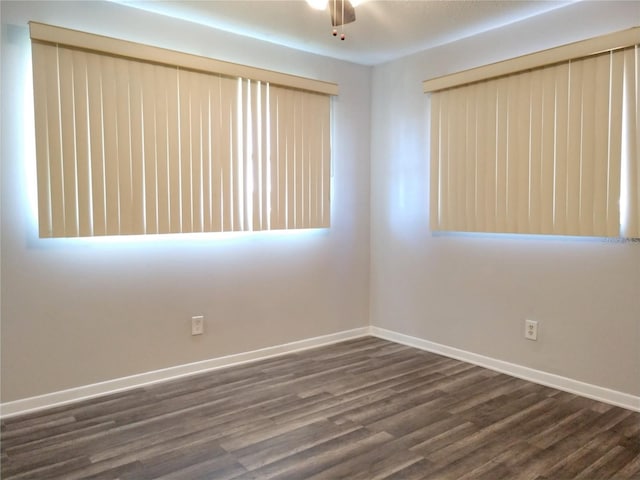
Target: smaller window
(551, 150)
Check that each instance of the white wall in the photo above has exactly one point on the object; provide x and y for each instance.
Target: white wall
(473, 292)
(76, 312)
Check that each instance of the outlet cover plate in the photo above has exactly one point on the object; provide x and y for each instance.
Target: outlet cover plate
(531, 330)
(197, 325)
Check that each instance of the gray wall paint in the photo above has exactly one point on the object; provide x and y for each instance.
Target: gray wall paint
(79, 312)
(76, 312)
(474, 292)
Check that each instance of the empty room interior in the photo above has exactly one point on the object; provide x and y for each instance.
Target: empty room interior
(375, 239)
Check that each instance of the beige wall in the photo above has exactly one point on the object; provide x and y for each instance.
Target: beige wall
(76, 312)
(473, 292)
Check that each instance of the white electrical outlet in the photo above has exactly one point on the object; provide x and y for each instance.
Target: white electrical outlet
(197, 325)
(531, 330)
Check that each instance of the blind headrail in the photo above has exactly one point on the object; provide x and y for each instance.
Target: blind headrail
(98, 43)
(580, 49)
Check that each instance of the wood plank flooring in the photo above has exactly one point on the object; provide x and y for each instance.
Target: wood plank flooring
(361, 409)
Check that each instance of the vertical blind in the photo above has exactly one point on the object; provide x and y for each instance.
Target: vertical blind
(553, 150)
(130, 146)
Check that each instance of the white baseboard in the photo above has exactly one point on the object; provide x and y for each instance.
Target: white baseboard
(577, 387)
(31, 404)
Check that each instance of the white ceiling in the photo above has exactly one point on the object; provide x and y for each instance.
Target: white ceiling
(384, 29)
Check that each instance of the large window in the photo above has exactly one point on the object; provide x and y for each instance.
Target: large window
(549, 150)
(132, 139)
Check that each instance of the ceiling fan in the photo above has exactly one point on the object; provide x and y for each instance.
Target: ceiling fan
(342, 12)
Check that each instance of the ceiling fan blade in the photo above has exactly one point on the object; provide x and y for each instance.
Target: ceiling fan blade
(342, 12)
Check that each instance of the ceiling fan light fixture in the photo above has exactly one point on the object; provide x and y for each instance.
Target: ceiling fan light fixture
(342, 12)
(318, 4)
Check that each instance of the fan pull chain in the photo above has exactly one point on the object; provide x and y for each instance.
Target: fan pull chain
(342, 34)
(335, 30)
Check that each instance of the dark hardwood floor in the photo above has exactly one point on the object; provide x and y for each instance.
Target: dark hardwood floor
(360, 409)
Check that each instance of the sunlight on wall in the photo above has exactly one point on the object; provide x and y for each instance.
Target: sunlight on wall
(184, 13)
(182, 239)
(407, 179)
(29, 143)
(523, 237)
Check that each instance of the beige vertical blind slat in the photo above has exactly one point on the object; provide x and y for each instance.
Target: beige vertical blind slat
(252, 181)
(287, 172)
(290, 172)
(274, 155)
(320, 208)
(56, 157)
(139, 170)
(109, 122)
(314, 159)
(235, 179)
(217, 142)
(451, 177)
(265, 159)
(185, 137)
(495, 130)
(486, 181)
(544, 197)
(206, 83)
(173, 153)
(441, 200)
(482, 138)
(312, 145)
(502, 158)
(534, 175)
(488, 128)
(254, 159)
(614, 147)
(41, 54)
(150, 142)
(298, 203)
(446, 214)
(124, 120)
(245, 156)
(67, 115)
(600, 169)
(162, 79)
(458, 150)
(631, 223)
(280, 158)
(227, 90)
(242, 129)
(470, 171)
(434, 170)
(516, 152)
(561, 143)
(198, 128)
(451, 170)
(260, 156)
(82, 152)
(96, 140)
(522, 162)
(326, 165)
(587, 153)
